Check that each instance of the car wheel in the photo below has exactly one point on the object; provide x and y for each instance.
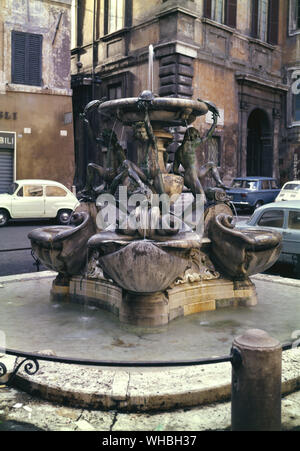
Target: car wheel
(4, 217)
(63, 216)
(258, 204)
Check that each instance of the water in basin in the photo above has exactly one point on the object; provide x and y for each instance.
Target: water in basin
(31, 322)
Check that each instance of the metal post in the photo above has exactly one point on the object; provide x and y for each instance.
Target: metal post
(256, 382)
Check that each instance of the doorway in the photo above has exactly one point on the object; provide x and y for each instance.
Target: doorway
(259, 145)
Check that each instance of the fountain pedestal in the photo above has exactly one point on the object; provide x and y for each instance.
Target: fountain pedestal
(158, 309)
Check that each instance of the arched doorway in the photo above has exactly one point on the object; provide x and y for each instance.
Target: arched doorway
(259, 145)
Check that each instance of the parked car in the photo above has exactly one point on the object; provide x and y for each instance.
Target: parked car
(253, 192)
(285, 218)
(289, 191)
(37, 199)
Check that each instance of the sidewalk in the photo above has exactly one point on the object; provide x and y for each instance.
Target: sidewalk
(22, 412)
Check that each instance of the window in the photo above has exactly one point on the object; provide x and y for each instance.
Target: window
(114, 15)
(274, 184)
(265, 17)
(296, 108)
(272, 218)
(294, 20)
(294, 220)
(291, 186)
(265, 184)
(55, 191)
(26, 58)
(295, 95)
(31, 191)
(115, 91)
(245, 184)
(222, 11)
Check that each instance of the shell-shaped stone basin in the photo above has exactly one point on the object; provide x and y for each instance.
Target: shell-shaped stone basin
(64, 248)
(143, 266)
(243, 252)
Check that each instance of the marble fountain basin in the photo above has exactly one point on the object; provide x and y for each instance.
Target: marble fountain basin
(144, 265)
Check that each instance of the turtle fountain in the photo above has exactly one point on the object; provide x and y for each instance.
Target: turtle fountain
(147, 263)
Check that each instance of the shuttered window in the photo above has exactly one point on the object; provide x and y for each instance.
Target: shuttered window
(207, 9)
(265, 17)
(254, 18)
(26, 58)
(294, 16)
(273, 19)
(230, 13)
(222, 11)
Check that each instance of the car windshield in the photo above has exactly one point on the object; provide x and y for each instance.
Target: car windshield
(249, 184)
(12, 188)
(292, 186)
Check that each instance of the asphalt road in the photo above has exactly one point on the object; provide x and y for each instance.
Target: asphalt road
(14, 236)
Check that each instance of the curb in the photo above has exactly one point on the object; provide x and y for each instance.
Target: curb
(143, 390)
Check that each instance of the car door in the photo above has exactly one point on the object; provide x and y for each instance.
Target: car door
(266, 191)
(55, 199)
(28, 201)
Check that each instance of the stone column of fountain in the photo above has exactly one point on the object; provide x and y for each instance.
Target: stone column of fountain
(149, 274)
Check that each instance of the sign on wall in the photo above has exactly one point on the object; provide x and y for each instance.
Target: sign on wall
(7, 140)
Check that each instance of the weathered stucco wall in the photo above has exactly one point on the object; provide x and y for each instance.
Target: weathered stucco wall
(41, 116)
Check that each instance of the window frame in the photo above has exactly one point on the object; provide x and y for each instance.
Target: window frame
(227, 9)
(294, 79)
(265, 213)
(294, 17)
(127, 16)
(265, 21)
(289, 217)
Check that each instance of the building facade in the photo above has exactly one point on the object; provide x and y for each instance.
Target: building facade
(36, 125)
(242, 55)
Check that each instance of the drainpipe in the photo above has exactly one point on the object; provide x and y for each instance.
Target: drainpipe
(93, 52)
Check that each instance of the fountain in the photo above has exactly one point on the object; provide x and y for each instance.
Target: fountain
(150, 264)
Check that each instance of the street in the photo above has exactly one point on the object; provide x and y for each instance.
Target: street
(14, 236)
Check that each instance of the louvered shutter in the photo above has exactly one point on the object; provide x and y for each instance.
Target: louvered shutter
(230, 13)
(207, 9)
(26, 58)
(34, 59)
(254, 18)
(273, 20)
(18, 57)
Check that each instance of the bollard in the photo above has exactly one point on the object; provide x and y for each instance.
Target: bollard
(256, 382)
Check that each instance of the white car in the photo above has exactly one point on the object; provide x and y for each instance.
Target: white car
(37, 199)
(289, 191)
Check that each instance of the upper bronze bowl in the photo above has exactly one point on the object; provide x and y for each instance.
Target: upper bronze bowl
(165, 111)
